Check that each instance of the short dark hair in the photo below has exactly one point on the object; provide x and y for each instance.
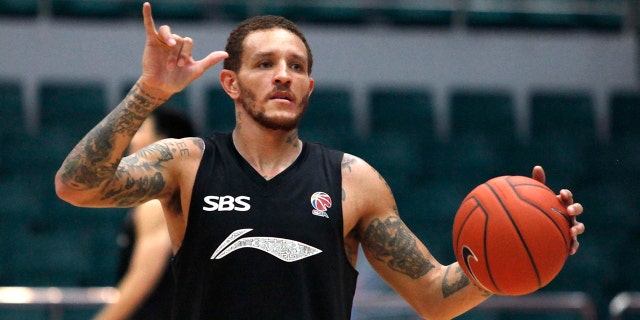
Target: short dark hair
(172, 123)
(236, 38)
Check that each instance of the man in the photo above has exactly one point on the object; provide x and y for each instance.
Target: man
(146, 285)
(262, 224)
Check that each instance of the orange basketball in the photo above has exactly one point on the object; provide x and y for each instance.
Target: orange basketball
(511, 235)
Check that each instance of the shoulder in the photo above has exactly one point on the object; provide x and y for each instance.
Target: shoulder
(355, 171)
(365, 191)
(184, 147)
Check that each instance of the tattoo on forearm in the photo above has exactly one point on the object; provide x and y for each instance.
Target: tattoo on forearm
(92, 161)
(391, 241)
(454, 282)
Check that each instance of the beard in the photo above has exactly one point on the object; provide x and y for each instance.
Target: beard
(248, 102)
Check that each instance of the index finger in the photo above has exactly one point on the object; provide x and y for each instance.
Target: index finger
(149, 26)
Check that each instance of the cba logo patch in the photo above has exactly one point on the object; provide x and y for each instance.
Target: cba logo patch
(320, 202)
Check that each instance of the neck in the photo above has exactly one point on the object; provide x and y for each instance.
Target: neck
(269, 152)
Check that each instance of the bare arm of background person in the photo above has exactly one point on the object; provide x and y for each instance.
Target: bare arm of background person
(149, 260)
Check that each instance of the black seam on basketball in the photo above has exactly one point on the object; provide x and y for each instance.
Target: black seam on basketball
(513, 186)
(524, 244)
(484, 243)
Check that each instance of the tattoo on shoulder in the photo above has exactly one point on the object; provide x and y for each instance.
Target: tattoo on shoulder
(392, 242)
(347, 161)
(198, 143)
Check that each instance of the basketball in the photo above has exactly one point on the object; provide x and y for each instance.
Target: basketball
(511, 235)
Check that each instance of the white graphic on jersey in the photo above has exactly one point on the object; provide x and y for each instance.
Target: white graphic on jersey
(283, 249)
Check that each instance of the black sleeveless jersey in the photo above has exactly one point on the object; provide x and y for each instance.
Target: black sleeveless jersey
(264, 249)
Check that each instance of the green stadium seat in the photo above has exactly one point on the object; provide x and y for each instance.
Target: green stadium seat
(235, 10)
(179, 101)
(71, 107)
(220, 111)
(407, 111)
(11, 100)
(19, 8)
(329, 118)
(12, 123)
(563, 115)
(170, 9)
(625, 115)
(319, 11)
(56, 258)
(68, 111)
(90, 8)
(483, 134)
(418, 13)
(402, 127)
(619, 159)
(562, 132)
(603, 15)
(21, 313)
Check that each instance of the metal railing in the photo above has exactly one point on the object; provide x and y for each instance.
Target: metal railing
(390, 304)
(56, 299)
(624, 303)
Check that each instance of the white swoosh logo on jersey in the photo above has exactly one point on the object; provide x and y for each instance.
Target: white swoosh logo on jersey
(283, 249)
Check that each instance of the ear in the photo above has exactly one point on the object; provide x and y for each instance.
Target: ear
(229, 83)
(311, 84)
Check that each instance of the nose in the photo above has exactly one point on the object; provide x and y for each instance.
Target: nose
(282, 74)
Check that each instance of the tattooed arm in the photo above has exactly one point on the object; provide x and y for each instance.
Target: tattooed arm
(93, 173)
(434, 290)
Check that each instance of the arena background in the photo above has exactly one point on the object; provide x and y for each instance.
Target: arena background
(438, 95)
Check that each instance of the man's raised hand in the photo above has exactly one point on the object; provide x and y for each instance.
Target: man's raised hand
(167, 63)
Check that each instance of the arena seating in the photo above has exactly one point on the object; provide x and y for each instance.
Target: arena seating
(431, 155)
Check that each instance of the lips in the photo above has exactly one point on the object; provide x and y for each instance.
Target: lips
(282, 95)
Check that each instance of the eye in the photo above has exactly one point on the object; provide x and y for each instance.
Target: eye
(297, 67)
(265, 64)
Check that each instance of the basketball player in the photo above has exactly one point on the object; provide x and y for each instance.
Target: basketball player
(146, 284)
(263, 225)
